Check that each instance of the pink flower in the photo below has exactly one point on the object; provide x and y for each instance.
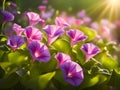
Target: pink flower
(76, 36)
(61, 22)
(33, 34)
(42, 8)
(82, 14)
(34, 18)
(18, 29)
(39, 51)
(53, 32)
(90, 50)
(62, 58)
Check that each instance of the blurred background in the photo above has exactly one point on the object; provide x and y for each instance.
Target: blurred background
(104, 12)
(96, 9)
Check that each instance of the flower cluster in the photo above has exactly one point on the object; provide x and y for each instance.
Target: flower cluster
(47, 49)
(72, 71)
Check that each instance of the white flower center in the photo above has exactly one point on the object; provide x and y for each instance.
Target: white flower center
(37, 54)
(69, 75)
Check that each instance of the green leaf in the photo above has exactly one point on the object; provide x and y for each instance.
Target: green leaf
(115, 79)
(62, 45)
(92, 80)
(89, 32)
(78, 54)
(108, 62)
(2, 72)
(38, 68)
(18, 57)
(40, 82)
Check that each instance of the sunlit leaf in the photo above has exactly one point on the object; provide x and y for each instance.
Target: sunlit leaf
(89, 32)
(18, 57)
(62, 46)
(108, 62)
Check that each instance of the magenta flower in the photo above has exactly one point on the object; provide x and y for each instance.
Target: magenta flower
(33, 34)
(61, 22)
(72, 73)
(90, 50)
(15, 41)
(39, 51)
(18, 29)
(33, 17)
(62, 58)
(53, 32)
(76, 36)
(7, 16)
(42, 8)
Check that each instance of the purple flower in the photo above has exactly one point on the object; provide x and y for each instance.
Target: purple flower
(18, 29)
(72, 73)
(39, 51)
(33, 34)
(90, 50)
(13, 5)
(53, 32)
(7, 16)
(15, 41)
(62, 58)
(33, 17)
(61, 22)
(76, 36)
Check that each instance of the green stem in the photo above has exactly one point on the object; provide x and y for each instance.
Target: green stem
(3, 5)
(2, 28)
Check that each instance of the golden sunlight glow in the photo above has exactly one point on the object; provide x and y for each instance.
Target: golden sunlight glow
(108, 8)
(113, 2)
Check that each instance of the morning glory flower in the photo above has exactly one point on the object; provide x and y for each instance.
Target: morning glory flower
(39, 51)
(72, 73)
(90, 50)
(7, 16)
(53, 32)
(34, 18)
(62, 58)
(12, 4)
(15, 41)
(32, 34)
(76, 36)
(61, 22)
(18, 29)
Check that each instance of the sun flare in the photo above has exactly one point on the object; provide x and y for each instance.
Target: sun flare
(108, 8)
